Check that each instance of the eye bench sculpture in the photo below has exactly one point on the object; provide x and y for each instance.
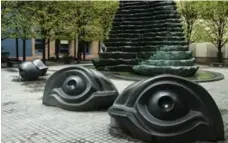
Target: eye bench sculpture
(41, 66)
(161, 109)
(31, 70)
(147, 38)
(79, 89)
(167, 109)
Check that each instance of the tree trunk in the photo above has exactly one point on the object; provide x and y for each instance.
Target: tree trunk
(17, 49)
(57, 44)
(78, 56)
(75, 47)
(24, 50)
(99, 47)
(84, 50)
(188, 36)
(189, 32)
(219, 54)
(44, 50)
(188, 42)
(80, 42)
(48, 49)
(220, 37)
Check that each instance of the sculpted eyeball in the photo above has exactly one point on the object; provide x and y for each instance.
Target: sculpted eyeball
(28, 71)
(31, 70)
(41, 66)
(168, 108)
(78, 88)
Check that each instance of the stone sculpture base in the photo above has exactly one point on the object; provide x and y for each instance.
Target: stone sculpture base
(148, 70)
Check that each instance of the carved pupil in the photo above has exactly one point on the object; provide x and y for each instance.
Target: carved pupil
(166, 103)
(71, 84)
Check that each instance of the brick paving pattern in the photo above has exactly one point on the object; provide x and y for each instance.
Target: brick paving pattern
(26, 120)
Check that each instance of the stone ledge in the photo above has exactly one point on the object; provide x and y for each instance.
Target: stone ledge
(217, 77)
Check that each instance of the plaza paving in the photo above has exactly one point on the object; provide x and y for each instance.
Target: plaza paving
(26, 120)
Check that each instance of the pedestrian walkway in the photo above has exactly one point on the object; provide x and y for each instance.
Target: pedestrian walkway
(26, 120)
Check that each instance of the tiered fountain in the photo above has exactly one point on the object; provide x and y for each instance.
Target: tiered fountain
(147, 38)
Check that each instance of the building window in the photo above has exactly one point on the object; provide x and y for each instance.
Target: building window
(64, 46)
(38, 45)
(84, 47)
(87, 48)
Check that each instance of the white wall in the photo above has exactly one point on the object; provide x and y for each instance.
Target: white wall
(226, 51)
(207, 49)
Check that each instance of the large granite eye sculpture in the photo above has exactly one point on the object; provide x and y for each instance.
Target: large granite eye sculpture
(166, 109)
(79, 89)
(28, 71)
(41, 66)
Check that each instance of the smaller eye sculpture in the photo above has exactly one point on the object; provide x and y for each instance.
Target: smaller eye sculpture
(31, 70)
(79, 89)
(167, 108)
(28, 71)
(41, 66)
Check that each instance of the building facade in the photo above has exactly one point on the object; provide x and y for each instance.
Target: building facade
(206, 53)
(34, 48)
(9, 45)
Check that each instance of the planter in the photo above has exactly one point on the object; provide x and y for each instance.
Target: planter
(220, 56)
(217, 64)
(66, 58)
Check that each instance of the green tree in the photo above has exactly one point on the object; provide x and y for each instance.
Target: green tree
(5, 19)
(107, 14)
(189, 15)
(89, 20)
(49, 20)
(24, 24)
(17, 22)
(79, 23)
(99, 27)
(213, 24)
(7, 23)
(46, 20)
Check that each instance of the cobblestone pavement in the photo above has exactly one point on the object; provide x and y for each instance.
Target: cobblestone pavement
(26, 120)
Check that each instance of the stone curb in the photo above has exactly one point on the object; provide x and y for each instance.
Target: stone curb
(218, 76)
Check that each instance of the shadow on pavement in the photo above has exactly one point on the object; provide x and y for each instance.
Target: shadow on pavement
(11, 69)
(33, 86)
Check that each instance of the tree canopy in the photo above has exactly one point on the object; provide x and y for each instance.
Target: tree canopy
(213, 22)
(189, 15)
(89, 20)
(210, 22)
(49, 20)
(53, 19)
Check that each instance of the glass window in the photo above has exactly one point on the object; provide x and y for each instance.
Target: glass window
(64, 46)
(87, 48)
(38, 45)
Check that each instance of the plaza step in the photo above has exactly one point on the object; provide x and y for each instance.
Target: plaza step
(146, 48)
